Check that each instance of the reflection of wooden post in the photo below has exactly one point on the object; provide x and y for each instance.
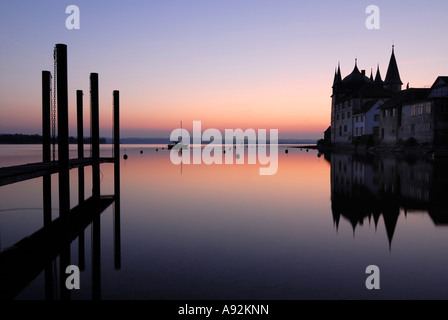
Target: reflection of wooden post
(96, 259)
(64, 262)
(117, 231)
(95, 135)
(48, 274)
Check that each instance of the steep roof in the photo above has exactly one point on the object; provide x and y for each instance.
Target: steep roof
(392, 75)
(405, 97)
(368, 91)
(337, 76)
(378, 75)
(355, 80)
(440, 79)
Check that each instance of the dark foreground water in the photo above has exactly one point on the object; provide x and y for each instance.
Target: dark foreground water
(226, 232)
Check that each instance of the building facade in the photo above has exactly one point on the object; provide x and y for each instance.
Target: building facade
(356, 100)
(366, 107)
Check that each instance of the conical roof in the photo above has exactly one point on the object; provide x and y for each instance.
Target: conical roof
(392, 76)
(378, 75)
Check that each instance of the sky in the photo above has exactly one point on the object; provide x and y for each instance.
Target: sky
(260, 64)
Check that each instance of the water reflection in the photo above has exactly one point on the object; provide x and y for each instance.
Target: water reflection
(48, 250)
(368, 188)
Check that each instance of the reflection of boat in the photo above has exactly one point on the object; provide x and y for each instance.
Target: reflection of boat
(178, 145)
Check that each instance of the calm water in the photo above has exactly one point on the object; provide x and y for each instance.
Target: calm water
(225, 232)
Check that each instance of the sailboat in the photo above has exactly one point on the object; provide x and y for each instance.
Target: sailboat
(178, 145)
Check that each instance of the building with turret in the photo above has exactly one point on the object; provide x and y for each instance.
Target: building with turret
(356, 99)
(369, 110)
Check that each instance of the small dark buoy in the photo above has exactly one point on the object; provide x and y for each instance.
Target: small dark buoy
(286, 151)
(125, 156)
(306, 150)
(141, 151)
(157, 149)
(224, 151)
(163, 148)
(319, 154)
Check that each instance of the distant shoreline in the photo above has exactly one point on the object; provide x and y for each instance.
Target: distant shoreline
(37, 139)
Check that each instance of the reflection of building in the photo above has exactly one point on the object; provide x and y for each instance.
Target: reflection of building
(370, 110)
(369, 188)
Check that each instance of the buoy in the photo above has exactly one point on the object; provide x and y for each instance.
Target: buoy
(125, 156)
(306, 150)
(319, 154)
(141, 151)
(157, 149)
(286, 151)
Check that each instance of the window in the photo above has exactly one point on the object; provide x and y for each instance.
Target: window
(384, 113)
(420, 109)
(394, 112)
(343, 116)
(357, 131)
(337, 116)
(348, 114)
(357, 118)
(345, 128)
(376, 117)
(413, 113)
(340, 131)
(376, 130)
(427, 126)
(428, 108)
(362, 130)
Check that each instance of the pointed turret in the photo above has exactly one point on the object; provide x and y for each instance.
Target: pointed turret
(371, 74)
(378, 75)
(393, 81)
(335, 77)
(337, 81)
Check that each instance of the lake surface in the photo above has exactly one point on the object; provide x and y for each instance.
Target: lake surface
(202, 231)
